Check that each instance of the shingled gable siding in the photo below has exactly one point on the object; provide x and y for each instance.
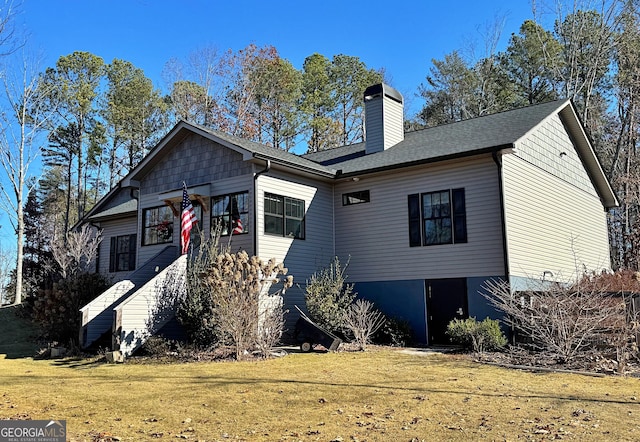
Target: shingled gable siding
(110, 229)
(302, 257)
(376, 234)
(554, 218)
(196, 161)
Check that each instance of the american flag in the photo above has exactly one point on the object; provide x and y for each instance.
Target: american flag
(187, 221)
(235, 214)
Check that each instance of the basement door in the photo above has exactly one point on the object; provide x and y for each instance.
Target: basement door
(446, 300)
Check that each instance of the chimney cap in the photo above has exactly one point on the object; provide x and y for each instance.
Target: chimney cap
(380, 89)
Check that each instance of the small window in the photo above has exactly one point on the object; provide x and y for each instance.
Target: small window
(231, 213)
(122, 253)
(284, 216)
(355, 198)
(437, 218)
(157, 225)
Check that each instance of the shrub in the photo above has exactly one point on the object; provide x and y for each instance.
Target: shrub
(569, 320)
(395, 332)
(56, 310)
(227, 300)
(477, 336)
(328, 296)
(363, 321)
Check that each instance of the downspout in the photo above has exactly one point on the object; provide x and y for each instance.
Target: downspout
(505, 252)
(266, 169)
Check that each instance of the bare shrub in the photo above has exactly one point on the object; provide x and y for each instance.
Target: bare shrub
(565, 320)
(363, 321)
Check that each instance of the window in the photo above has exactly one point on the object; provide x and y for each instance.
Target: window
(226, 210)
(437, 218)
(283, 216)
(157, 225)
(122, 254)
(355, 198)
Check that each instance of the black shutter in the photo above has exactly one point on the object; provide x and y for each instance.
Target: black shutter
(415, 237)
(459, 216)
(112, 254)
(132, 251)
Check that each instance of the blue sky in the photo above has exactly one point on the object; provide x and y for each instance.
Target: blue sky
(402, 37)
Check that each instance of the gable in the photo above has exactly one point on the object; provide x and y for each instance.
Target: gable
(195, 159)
(550, 148)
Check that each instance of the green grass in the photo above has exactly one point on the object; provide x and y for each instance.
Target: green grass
(380, 395)
(17, 335)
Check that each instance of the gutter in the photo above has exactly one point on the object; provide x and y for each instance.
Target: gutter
(327, 174)
(266, 169)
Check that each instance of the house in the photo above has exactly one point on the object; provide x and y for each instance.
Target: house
(425, 218)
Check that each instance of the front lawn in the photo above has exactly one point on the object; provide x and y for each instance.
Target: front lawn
(380, 395)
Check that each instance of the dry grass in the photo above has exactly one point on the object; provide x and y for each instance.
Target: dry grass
(380, 395)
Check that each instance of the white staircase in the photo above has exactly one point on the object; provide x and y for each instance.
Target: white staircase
(148, 309)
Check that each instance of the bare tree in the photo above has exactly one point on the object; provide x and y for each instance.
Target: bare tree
(22, 123)
(76, 250)
(5, 271)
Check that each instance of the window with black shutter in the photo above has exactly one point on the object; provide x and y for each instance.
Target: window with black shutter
(122, 253)
(437, 218)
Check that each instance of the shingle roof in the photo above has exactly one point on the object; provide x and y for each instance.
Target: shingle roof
(130, 206)
(450, 140)
(273, 153)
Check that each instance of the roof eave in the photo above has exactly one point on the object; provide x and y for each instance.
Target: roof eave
(420, 162)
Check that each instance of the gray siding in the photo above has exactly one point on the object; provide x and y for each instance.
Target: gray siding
(301, 257)
(555, 220)
(196, 161)
(376, 235)
(549, 147)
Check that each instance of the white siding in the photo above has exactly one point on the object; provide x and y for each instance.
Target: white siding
(149, 308)
(551, 225)
(120, 227)
(376, 234)
(302, 257)
(555, 220)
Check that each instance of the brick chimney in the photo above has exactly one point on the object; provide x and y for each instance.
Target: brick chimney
(383, 118)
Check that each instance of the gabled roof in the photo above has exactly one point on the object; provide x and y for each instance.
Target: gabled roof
(463, 138)
(475, 136)
(249, 150)
(130, 207)
(485, 134)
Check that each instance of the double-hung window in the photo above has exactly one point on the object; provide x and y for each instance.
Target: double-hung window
(283, 216)
(231, 213)
(122, 253)
(157, 225)
(437, 218)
